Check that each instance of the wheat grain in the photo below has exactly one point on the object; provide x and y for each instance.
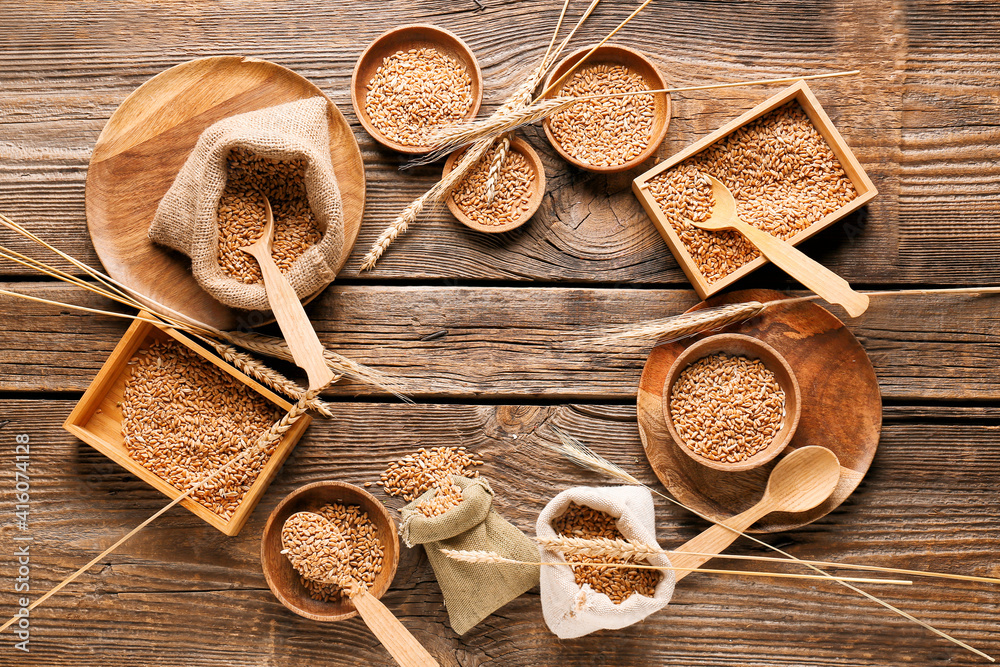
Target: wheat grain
(727, 408)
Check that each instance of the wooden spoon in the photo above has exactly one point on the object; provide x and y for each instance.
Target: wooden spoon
(801, 481)
(295, 326)
(792, 261)
(301, 545)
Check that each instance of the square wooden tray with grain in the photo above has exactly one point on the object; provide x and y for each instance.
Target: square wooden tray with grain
(97, 420)
(798, 93)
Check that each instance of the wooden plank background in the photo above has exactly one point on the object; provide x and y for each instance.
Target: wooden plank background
(924, 118)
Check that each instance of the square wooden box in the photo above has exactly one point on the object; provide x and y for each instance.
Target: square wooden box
(97, 419)
(800, 92)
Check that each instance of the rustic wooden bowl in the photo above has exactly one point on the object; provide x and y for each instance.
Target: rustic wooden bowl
(534, 198)
(746, 346)
(402, 39)
(284, 580)
(635, 62)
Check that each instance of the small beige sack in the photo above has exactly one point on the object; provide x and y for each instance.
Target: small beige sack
(571, 610)
(186, 218)
(472, 591)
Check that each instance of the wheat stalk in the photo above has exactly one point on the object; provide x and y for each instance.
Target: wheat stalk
(278, 349)
(491, 557)
(267, 438)
(439, 191)
(671, 328)
(268, 376)
(455, 136)
(583, 456)
(115, 291)
(605, 547)
(716, 317)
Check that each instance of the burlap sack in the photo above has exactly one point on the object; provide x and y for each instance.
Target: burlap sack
(186, 220)
(571, 610)
(472, 591)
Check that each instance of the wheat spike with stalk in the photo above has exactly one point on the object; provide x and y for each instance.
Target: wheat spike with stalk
(113, 290)
(606, 547)
(455, 136)
(491, 557)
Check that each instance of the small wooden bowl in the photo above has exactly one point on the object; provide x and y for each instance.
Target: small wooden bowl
(407, 37)
(284, 580)
(746, 346)
(534, 198)
(635, 62)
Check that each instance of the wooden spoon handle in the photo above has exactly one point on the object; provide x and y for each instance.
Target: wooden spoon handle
(716, 539)
(806, 270)
(402, 645)
(298, 331)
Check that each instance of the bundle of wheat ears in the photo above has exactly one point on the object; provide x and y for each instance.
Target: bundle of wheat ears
(521, 108)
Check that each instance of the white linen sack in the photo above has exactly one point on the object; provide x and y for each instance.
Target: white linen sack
(573, 611)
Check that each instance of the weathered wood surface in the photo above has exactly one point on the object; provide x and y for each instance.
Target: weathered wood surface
(923, 118)
(508, 343)
(182, 594)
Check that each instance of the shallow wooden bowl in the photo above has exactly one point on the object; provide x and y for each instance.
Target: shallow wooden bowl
(635, 62)
(746, 346)
(402, 39)
(146, 142)
(534, 198)
(282, 577)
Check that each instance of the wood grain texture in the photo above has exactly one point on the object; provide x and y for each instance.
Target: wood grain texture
(443, 310)
(182, 594)
(936, 176)
(500, 343)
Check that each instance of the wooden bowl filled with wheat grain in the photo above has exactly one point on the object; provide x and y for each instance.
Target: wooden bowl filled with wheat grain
(517, 189)
(731, 402)
(613, 134)
(371, 536)
(412, 82)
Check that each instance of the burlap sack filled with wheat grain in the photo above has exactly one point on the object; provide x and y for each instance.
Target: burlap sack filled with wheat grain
(186, 217)
(472, 591)
(571, 610)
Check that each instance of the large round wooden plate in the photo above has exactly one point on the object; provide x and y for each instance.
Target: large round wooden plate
(144, 145)
(841, 410)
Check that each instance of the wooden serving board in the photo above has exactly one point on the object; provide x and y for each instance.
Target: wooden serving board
(144, 145)
(841, 410)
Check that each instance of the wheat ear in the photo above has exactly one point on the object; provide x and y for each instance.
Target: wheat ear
(268, 376)
(503, 145)
(338, 363)
(671, 328)
(265, 440)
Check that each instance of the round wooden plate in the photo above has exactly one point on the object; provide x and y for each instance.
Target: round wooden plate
(841, 410)
(144, 145)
